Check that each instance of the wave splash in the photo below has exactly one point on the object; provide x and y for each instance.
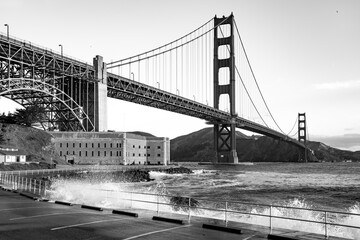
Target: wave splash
(146, 196)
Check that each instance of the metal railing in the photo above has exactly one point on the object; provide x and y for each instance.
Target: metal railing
(226, 211)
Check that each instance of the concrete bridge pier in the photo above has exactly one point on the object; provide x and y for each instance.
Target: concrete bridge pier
(99, 106)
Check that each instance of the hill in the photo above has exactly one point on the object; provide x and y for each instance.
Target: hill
(198, 147)
(36, 143)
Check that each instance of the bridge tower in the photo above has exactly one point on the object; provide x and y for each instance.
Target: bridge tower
(302, 134)
(225, 133)
(99, 96)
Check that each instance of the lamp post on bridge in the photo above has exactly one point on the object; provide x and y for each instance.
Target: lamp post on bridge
(158, 85)
(61, 47)
(133, 76)
(7, 31)
(177, 91)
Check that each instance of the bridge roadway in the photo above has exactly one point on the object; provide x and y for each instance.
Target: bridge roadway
(42, 62)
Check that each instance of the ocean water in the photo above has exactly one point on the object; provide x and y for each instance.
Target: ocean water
(326, 186)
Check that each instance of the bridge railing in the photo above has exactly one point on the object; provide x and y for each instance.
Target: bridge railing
(22, 42)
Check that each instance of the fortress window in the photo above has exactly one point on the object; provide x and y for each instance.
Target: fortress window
(85, 153)
(133, 146)
(104, 153)
(79, 153)
(67, 145)
(139, 154)
(92, 153)
(110, 153)
(120, 153)
(92, 145)
(120, 145)
(159, 147)
(60, 153)
(133, 154)
(86, 145)
(110, 145)
(104, 145)
(158, 155)
(73, 145)
(148, 147)
(98, 145)
(98, 153)
(139, 146)
(60, 144)
(79, 145)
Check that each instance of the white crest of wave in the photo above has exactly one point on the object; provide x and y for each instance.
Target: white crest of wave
(121, 195)
(161, 175)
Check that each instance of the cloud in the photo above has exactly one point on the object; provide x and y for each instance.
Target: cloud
(347, 142)
(338, 85)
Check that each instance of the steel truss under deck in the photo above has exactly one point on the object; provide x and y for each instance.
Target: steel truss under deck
(66, 88)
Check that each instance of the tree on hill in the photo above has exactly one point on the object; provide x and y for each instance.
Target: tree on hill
(10, 119)
(30, 115)
(2, 139)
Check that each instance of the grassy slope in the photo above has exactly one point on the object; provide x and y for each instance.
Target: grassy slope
(36, 143)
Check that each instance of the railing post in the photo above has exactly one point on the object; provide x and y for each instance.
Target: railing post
(189, 217)
(40, 187)
(326, 226)
(271, 227)
(226, 217)
(131, 199)
(26, 184)
(157, 205)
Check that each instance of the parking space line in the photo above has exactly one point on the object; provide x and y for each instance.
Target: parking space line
(44, 215)
(9, 209)
(88, 223)
(159, 231)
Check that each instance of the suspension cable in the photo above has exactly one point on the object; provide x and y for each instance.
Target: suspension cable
(296, 120)
(129, 59)
(247, 92)
(252, 72)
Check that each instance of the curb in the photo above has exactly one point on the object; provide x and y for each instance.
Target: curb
(222, 228)
(63, 203)
(131, 214)
(92, 207)
(279, 237)
(170, 220)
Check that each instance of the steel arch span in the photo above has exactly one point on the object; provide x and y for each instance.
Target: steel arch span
(62, 112)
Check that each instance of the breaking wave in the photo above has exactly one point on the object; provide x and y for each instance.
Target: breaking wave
(146, 195)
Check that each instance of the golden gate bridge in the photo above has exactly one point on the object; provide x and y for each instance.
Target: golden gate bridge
(204, 74)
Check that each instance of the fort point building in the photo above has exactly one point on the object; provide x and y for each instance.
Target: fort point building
(111, 148)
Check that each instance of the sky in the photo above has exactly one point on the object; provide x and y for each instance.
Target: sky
(305, 53)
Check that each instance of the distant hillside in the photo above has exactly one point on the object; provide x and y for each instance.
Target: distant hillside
(36, 143)
(199, 146)
(144, 134)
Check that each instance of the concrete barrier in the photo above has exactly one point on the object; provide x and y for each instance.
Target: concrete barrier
(170, 220)
(63, 203)
(279, 237)
(131, 214)
(28, 196)
(92, 207)
(222, 228)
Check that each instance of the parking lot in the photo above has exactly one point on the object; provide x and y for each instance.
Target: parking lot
(24, 218)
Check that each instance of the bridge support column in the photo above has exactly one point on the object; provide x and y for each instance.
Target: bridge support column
(302, 136)
(100, 95)
(225, 133)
